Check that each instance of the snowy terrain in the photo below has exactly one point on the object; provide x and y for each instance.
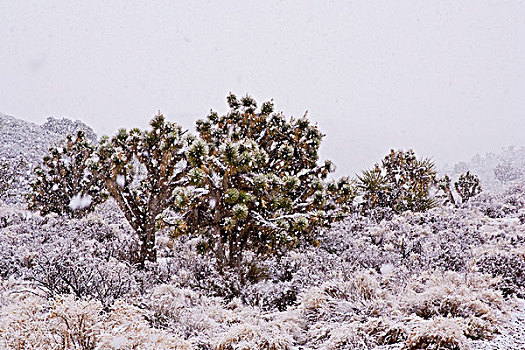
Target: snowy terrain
(452, 278)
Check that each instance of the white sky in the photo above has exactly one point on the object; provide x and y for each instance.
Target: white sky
(446, 78)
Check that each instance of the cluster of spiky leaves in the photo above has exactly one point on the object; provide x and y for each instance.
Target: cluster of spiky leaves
(141, 169)
(65, 176)
(467, 186)
(256, 183)
(402, 182)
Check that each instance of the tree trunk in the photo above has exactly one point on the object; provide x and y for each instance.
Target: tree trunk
(148, 251)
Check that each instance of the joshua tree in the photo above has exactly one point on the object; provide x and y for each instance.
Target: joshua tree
(141, 169)
(402, 182)
(65, 183)
(255, 182)
(467, 186)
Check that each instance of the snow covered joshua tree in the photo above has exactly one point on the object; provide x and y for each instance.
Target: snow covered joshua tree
(65, 183)
(402, 182)
(141, 169)
(255, 183)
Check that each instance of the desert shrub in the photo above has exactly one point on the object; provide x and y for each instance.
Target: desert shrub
(30, 321)
(125, 327)
(65, 183)
(258, 334)
(96, 279)
(13, 174)
(439, 333)
(509, 267)
(86, 257)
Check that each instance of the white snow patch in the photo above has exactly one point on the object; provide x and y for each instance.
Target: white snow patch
(80, 202)
(121, 180)
(386, 269)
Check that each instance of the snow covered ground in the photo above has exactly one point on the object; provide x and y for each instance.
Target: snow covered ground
(450, 278)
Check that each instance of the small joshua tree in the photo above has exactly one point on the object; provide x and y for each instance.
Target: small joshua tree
(444, 186)
(65, 182)
(141, 169)
(255, 183)
(402, 182)
(467, 186)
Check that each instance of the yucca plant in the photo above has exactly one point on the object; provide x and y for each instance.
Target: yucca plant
(401, 182)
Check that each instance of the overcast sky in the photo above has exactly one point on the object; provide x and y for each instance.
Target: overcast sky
(446, 78)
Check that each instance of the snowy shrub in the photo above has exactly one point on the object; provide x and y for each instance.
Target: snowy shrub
(65, 183)
(246, 336)
(93, 278)
(439, 333)
(14, 174)
(509, 267)
(86, 257)
(451, 295)
(126, 328)
(29, 321)
(505, 172)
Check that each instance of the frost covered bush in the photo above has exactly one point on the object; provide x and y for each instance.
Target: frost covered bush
(86, 257)
(65, 183)
(30, 321)
(441, 333)
(509, 267)
(14, 175)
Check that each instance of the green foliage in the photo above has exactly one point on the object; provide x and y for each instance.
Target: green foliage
(402, 182)
(141, 170)
(65, 183)
(467, 186)
(260, 187)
